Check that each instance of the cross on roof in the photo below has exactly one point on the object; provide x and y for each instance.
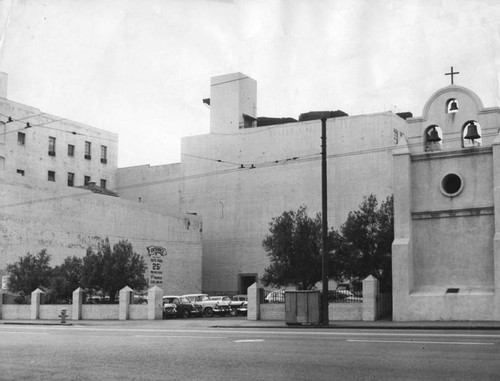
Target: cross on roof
(452, 73)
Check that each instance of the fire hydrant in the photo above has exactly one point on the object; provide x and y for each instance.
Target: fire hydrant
(63, 316)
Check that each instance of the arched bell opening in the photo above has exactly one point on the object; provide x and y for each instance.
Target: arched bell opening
(471, 134)
(451, 106)
(433, 138)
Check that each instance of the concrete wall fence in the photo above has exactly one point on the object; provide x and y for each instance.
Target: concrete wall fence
(123, 310)
(367, 310)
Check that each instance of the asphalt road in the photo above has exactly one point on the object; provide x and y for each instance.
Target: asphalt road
(166, 351)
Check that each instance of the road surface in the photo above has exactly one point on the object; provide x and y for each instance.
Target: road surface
(169, 352)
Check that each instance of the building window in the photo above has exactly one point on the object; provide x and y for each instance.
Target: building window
(20, 171)
(86, 180)
(104, 154)
(21, 138)
(71, 150)
(87, 150)
(71, 179)
(103, 183)
(52, 146)
(51, 176)
(451, 184)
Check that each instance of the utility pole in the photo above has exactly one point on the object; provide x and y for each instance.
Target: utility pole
(324, 215)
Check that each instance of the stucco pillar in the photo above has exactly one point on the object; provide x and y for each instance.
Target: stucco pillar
(155, 303)
(496, 241)
(1, 303)
(402, 256)
(370, 293)
(36, 299)
(76, 308)
(254, 292)
(124, 297)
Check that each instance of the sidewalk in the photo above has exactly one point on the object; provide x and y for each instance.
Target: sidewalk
(242, 322)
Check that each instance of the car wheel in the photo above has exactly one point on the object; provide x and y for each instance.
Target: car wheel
(233, 312)
(209, 312)
(186, 313)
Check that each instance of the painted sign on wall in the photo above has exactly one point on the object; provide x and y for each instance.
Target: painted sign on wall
(156, 254)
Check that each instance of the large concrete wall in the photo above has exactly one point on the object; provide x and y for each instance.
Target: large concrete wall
(237, 204)
(66, 222)
(152, 185)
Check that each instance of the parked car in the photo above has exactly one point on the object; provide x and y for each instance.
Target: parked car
(210, 307)
(223, 303)
(239, 305)
(343, 296)
(178, 306)
(276, 296)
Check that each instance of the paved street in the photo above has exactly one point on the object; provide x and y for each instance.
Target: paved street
(208, 349)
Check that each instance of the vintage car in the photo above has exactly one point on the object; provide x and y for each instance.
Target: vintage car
(239, 305)
(224, 304)
(178, 306)
(276, 297)
(210, 307)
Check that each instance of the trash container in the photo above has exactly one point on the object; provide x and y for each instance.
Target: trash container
(302, 307)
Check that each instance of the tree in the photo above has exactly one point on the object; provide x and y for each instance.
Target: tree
(363, 244)
(294, 248)
(66, 278)
(111, 270)
(29, 273)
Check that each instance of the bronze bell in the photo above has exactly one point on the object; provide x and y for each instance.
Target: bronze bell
(453, 106)
(433, 136)
(472, 133)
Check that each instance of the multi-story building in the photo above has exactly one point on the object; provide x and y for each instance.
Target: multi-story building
(47, 148)
(56, 177)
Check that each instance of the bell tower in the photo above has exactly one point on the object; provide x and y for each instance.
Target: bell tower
(446, 250)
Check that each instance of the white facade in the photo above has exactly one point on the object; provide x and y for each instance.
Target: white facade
(40, 209)
(239, 176)
(47, 148)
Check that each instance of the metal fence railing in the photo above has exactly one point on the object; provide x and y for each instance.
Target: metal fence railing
(273, 296)
(334, 296)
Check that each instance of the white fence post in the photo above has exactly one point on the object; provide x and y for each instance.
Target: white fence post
(76, 308)
(253, 293)
(1, 302)
(370, 293)
(124, 300)
(155, 303)
(36, 298)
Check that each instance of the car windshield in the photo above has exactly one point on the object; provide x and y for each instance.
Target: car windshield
(185, 300)
(171, 300)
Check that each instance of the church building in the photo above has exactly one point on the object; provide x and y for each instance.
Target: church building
(446, 252)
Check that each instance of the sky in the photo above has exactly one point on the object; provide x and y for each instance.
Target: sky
(140, 68)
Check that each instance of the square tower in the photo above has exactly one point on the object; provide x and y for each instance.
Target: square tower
(233, 103)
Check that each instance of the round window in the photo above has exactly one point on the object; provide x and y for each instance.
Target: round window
(452, 184)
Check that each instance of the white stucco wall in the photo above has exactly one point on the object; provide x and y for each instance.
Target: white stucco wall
(445, 242)
(237, 204)
(153, 185)
(33, 157)
(67, 222)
